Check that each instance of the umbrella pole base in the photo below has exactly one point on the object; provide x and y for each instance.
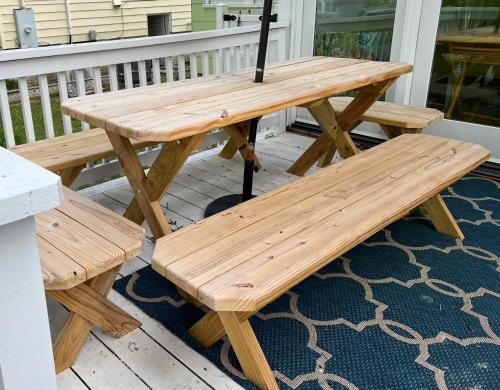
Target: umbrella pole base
(223, 203)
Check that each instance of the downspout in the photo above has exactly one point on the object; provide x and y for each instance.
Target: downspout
(22, 4)
(68, 19)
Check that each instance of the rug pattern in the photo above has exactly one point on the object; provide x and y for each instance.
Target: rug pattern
(409, 308)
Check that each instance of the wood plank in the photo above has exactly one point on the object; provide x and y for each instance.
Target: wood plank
(293, 259)
(76, 329)
(393, 114)
(90, 250)
(146, 207)
(196, 362)
(96, 309)
(282, 222)
(82, 106)
(71, 150)
(222, 110)
(383, 192)
(252, 212)
(248, 351)
(285, 81)
(108, 224)
(59, 271)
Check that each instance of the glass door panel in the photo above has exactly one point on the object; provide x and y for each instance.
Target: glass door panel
(465, 81)
(354, 29)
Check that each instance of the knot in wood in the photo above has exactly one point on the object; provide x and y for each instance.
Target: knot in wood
(244, 285)
(224, 114)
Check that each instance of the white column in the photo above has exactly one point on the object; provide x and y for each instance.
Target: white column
(26, 360)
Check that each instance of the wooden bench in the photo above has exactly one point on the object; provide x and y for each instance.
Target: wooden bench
(238, 261)
(82, 246)
(67, 155)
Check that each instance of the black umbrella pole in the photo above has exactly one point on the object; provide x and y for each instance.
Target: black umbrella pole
(250, 161)
(259, 78)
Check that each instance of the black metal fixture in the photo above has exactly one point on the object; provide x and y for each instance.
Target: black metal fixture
(228, 201)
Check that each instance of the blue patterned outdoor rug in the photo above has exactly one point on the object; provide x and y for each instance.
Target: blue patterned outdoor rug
(409, 308)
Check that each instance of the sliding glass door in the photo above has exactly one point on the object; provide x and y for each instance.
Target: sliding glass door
(464, 79)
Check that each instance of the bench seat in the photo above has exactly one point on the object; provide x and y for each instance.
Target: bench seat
(238, 261)
(405, 118)
(82, 246)
(68, 154)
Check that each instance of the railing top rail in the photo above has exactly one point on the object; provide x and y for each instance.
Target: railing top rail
(90, 47)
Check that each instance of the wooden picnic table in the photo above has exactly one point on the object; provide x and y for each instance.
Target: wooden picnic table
(476, 46)
(180, 114)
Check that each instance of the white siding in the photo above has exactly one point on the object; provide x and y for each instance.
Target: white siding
(110, 22)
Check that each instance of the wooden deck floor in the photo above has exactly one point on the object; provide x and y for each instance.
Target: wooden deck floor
(152, 357)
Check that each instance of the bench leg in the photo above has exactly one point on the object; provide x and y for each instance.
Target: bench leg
(76, 328)
(69, 175)
(248, 351)
(441, 217)
(209, 329)
(395, 131)
(237, 142)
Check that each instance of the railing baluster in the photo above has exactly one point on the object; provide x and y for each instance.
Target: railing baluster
(156, 71)
(246, 55)
(63, 95)
(46, 105)
(181, 67)
(26, 105)
(113, 77)
(218, 58)
(170, 68)
(97, 79)
(81, 90)
(8, 130)
(227, 59)
(206, 64)
(237, 55)
(129, 80)
(143, 77)
(193, 65)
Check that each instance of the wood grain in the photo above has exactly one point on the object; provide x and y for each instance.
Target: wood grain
(177, 110)
(228, 267)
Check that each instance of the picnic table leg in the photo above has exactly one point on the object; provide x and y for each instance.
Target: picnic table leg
(237, 142)
(76, 328)
(337, 127)
(441, 217)
(248, 351)
(148, 190)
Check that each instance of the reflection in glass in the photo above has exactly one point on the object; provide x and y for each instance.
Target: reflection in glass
(354, 28)
(465, 81)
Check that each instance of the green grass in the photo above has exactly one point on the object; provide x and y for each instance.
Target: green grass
(16, 112)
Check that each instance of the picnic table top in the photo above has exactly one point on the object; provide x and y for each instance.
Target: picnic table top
(483, 35)
(172, 111)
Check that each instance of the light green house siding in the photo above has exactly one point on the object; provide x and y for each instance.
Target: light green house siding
(202, 18)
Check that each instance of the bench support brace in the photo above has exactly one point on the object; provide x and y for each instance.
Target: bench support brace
(76, 328)
(237, 142)
(248, 350)
(441, 217)
(69, 175)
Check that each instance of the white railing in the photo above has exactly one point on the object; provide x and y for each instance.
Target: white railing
(33, 82)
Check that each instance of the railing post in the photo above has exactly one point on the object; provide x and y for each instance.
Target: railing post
(26, 360)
